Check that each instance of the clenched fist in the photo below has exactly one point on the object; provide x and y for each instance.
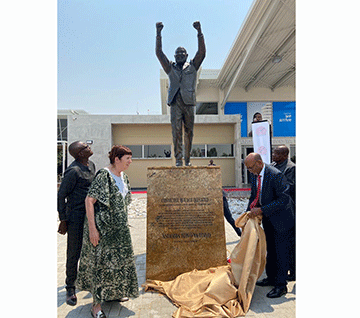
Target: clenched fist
(159, 27)
(197, 25)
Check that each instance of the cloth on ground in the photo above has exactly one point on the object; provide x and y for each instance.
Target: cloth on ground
(223, 291)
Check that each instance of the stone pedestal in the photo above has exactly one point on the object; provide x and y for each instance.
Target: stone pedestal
(185, 221)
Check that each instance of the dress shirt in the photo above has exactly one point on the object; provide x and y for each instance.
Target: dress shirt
(73, 191)
(262, 181)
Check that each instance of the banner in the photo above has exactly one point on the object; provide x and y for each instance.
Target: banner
(284, 118)
(261, 139)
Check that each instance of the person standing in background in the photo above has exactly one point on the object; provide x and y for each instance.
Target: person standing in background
(287, 167)
(256, 117)
(71, 208)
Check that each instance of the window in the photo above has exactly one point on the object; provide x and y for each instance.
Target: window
(157, 151)
(136, 150)
(206, 108)
(150, 151)
(208, 151)
(197, 151)
(62, 129)
(293, 153)
(223, 150)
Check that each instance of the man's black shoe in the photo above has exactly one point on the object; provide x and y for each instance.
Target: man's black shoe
(71, 298)
(277, 292)
(264, 282)
(291, 278)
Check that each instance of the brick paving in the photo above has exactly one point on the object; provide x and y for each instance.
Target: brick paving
(153, 304)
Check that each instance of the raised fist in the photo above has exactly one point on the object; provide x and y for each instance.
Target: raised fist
(159, 26)
(196, 25)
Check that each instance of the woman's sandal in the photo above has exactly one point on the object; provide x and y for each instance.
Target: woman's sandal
(99, 314)
(124, 299)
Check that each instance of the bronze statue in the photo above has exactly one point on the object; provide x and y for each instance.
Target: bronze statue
(181, 94)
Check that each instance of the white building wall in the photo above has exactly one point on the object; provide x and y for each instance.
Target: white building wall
(92, 127)
(98, 129)
(260, 94)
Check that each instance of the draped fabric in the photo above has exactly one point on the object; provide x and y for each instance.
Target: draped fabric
(248, 258)
(223, 291)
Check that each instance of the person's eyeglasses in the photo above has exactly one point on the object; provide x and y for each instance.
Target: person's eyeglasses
(84, 147)
(251, 168)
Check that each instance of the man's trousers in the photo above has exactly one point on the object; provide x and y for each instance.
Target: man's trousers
(181, 113)
(74, 244)
(277, 258)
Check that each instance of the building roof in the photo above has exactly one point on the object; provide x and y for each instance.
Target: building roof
(63, 113)
(267, 34)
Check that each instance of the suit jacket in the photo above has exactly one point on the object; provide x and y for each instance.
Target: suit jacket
(288, 169)
(276, 204)
(183, 80)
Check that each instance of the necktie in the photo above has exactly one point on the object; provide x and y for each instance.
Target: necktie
(253, 204)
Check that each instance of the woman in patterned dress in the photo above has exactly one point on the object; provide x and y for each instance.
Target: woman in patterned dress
(107, 265)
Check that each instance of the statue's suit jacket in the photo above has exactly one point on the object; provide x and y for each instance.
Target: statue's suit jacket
(276, 204)
(184, 80)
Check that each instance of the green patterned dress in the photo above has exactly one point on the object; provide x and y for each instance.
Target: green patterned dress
(108, 270)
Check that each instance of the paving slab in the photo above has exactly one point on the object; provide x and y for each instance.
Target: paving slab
(153, 304)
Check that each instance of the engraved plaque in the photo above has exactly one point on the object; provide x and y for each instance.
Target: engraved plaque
(185, 221)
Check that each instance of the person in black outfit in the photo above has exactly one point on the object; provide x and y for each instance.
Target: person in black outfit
(270, 199)
(287, 167)
(228, 215)
(227, 212)
(71, 208)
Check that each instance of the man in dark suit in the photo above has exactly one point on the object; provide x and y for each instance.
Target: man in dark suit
(270, 199)
(181, 94)
(287, 167)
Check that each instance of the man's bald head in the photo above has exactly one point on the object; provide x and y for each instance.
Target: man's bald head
(75, 148)
(80, 150)
(253, 156)
(254, 163)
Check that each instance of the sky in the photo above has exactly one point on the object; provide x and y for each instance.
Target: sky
(106, 49)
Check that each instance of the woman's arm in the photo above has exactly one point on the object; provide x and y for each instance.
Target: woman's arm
(93, 232)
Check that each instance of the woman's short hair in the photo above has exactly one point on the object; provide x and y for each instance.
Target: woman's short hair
(118, 151)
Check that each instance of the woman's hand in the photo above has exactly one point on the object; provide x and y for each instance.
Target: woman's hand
(93, 232)
(94, 236)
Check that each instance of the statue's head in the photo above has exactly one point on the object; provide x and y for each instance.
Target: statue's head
(180, 55)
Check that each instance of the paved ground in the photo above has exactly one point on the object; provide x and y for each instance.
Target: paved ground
(154, 305)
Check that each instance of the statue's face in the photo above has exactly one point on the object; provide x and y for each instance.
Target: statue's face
(180, 55)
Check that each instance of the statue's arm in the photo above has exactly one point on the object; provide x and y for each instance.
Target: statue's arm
(200, 54)
(159, 52)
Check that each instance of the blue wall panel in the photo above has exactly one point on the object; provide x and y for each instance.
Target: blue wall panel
(284, 119)
(238, 108)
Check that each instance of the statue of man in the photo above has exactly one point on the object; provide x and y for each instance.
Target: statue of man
(181, 94)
